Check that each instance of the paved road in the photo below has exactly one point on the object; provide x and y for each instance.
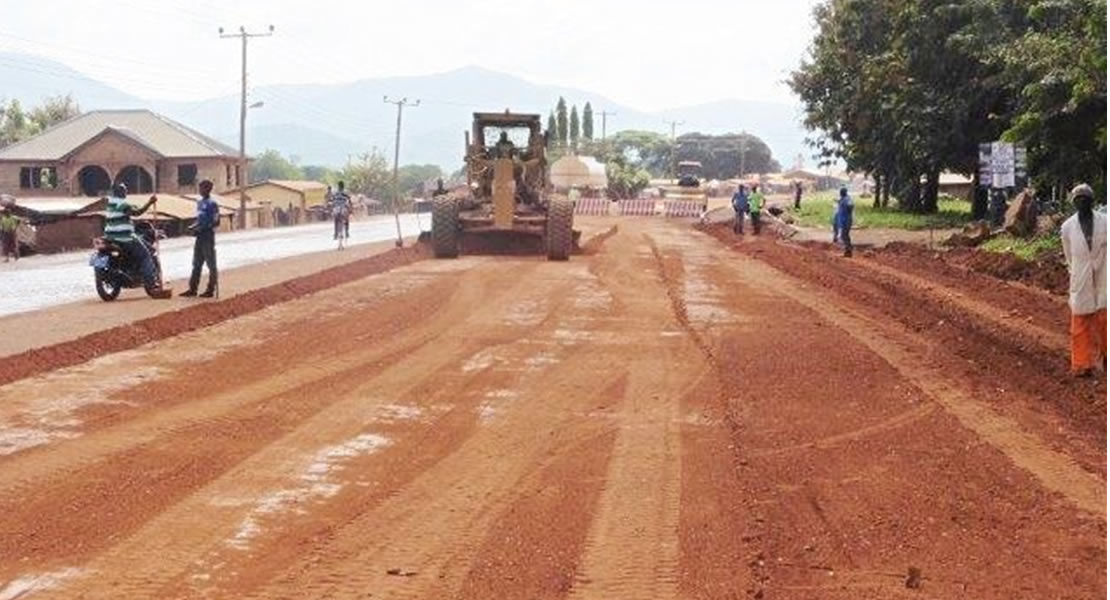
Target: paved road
(663, 417)
(40, 281)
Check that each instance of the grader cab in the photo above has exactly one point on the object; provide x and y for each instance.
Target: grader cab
(507, 191)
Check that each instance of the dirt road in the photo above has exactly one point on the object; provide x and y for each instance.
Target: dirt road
(665, 417)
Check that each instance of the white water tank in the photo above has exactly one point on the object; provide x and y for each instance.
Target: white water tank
(578, 172)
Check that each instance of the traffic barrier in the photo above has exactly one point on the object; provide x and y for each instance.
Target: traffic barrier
(682, 208)
(594, 207)
(639, 207)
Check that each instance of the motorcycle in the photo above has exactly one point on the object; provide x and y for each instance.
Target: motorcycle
(114, 270)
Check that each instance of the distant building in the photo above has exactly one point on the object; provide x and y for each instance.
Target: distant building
(85, 155)
(294, 197)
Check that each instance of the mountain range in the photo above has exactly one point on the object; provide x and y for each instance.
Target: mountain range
(325, 124)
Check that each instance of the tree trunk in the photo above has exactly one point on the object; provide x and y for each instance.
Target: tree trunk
(886, 191)
(910, 200)
(932, 190)
(878, 190)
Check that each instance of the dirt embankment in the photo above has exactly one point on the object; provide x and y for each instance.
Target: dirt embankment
(1048, 273)
(203, 314)
(999, 362)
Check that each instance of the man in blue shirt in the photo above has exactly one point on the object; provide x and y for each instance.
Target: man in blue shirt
(844, 209)
(204, 248)
(740, 205)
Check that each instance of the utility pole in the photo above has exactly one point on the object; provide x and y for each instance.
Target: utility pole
(674, 146)
(242, 175)
(604, 114)
(401, 104)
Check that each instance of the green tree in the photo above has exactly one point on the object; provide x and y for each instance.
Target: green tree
(14, 123)
(272, 165)
(720, 154)
(53, 111)
(574, 127)
(17, 124)
(588, 122)
(905, 89)
(648, 150)
(369, 174)
(318, 173)
(414, 179)
(552, 131)
(561, 121)
(1055, 57)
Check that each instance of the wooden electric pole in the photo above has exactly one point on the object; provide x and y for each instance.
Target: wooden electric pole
(401, 104)
(604, 114)
(241, 178)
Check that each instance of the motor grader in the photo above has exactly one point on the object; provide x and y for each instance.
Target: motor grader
(507, 190)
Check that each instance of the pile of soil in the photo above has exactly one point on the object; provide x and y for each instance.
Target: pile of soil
(1047, 272)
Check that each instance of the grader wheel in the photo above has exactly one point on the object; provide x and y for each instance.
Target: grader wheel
(445, 228)
(560, 229)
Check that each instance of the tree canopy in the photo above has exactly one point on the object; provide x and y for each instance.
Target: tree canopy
(906, 89)
(17, 124)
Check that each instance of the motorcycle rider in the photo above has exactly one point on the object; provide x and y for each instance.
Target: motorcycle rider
(120, 230)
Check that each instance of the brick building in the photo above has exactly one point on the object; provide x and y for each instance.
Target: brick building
(85, 155)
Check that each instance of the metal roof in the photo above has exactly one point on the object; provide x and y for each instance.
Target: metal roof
(289, 184)
(54, 205)
(161, 135)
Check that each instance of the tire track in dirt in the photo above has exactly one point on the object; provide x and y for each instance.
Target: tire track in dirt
(151, 448)
(633, 546)
(1023, 379)
(433, 526)
(1055, 470)
(518, 559)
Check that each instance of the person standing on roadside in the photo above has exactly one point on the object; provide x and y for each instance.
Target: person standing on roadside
(204, 247)
(9, 244)
(1083, 236)
(843, 217)
(797, 195)
(740, 205)
(341, 211)
(755, 205)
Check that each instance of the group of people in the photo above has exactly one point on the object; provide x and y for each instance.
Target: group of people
(119, 228)
(750, 205)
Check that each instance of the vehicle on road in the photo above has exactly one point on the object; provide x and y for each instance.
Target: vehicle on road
(114, 270)
(508, 191)
(689, 173)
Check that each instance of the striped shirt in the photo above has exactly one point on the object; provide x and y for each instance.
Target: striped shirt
(117, 221)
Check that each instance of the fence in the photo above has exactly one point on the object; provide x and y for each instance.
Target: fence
(594, 207)
(638, 207)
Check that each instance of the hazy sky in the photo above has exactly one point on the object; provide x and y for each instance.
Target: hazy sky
(648, 55)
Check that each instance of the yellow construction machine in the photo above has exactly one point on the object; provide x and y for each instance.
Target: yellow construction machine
(507, 190)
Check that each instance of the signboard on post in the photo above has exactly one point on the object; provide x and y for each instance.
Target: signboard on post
(1001, 165)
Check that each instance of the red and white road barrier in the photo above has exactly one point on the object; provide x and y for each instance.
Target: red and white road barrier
(639, 207)
(593, 207)
(682, 208)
